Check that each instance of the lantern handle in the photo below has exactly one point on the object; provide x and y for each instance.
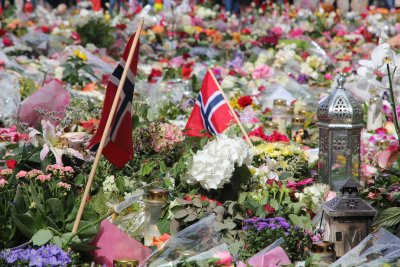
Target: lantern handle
(341, 80)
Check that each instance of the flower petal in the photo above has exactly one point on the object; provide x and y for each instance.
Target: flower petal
(45, 150)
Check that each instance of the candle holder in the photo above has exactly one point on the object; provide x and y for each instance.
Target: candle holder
(155, 201)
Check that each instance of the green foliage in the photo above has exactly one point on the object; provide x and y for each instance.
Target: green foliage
(98, 32)
(389, 218)
(27, 87)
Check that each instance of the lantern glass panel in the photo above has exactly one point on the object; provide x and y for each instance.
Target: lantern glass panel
(322, 167)
(338, 169)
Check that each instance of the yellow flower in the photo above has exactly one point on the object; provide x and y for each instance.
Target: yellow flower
(80, 54)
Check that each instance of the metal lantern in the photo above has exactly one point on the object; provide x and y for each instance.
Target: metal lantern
(340, 119)
(347, 219)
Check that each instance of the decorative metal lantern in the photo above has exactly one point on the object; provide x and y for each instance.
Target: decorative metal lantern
(347, 218)
(340, 119)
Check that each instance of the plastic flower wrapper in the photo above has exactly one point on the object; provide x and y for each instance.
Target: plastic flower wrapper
(193, 240)
(9, 97)
(376, 249)
(273, 255)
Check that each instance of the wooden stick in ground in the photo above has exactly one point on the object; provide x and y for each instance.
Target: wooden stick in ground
(231, 109)
(107, 128)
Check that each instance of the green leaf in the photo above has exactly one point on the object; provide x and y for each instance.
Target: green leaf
(42, 237)
(120, 183)
(197, 203)
(57, 208)
(191, 217)
(388, 218)
(301, 221)
(79, 180)
(242, 197)
(220, 226)
(163, 167)
(25, 223)
(274, 203)
(181, 214)
(135, 121)
(182, 201)
(56, 240)
(163, 226)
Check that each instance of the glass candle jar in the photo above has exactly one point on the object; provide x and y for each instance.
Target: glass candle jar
(373, 124)
(270, 127)
(290, 115)
(297, 124)
(155, 201)
(279, 115)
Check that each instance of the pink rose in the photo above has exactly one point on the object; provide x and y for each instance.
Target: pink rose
(263, 72)
(225, 258)
(372, 195)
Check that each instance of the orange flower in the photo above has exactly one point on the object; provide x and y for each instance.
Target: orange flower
(236, 36)
(383, 11)
(198, 29)
(158, 29)
(89, 87)
(160, 241)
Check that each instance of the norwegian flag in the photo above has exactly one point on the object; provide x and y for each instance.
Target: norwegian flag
(210, 112)
(118, 148)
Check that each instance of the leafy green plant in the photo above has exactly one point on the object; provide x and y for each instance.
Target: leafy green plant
(98, 32)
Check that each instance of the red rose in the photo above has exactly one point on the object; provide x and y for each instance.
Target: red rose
(203, 198)
(245, 101)
(188, 198)
(186, 72)
(11, 163)
(7, 41)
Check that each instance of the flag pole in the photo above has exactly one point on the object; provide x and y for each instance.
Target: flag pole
(231, 109)
(107, 128)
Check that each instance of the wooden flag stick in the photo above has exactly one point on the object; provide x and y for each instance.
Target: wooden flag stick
(107, 127)
(231, 109)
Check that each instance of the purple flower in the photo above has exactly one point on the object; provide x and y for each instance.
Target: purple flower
(302, 79)
(261, 226)
(285, 225)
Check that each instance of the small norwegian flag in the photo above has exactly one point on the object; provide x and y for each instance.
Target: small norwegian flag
(210, 112)
(118, 148)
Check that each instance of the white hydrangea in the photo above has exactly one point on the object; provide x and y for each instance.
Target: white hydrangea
(214, 165)
(109, 185)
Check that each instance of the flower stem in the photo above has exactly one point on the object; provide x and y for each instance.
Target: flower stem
(87, 226)
(392, 103)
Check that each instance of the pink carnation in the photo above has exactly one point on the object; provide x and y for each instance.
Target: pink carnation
(296, 33)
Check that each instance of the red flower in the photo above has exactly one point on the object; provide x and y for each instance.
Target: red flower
(267, 110)
(245, 101)
(249, 212)
(89, 125)
(246, 31)
(381, 131)
(188, 198)
(203, 198)
(121, 26)
(76, 37)
(7, 41)
(11, 163)
(2, 32)
(269, 209)
(45, 29)
(185, 56)
(186, 72)
(155, 73)
(262, 88)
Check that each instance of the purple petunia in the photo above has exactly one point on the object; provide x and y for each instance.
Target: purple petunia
(49, 255)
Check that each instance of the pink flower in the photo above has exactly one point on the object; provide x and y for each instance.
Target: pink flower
(43, 178)
(387, 157)
(372, 195)
(64, 185)
(328, 76)
(263, 72)
(176, 62)
(296, 33)
(33, 174)
(21, 174)
(329, 195)
(3, 182)
(225, 258)
(277, 31)
(368, 170)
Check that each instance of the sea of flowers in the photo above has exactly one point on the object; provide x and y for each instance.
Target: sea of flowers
(54, 70)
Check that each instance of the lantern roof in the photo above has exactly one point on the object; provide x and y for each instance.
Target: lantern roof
(348, 203)
(340, 107)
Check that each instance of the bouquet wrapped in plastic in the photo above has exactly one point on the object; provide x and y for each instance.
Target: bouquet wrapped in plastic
(193, 246)
(376, 249)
